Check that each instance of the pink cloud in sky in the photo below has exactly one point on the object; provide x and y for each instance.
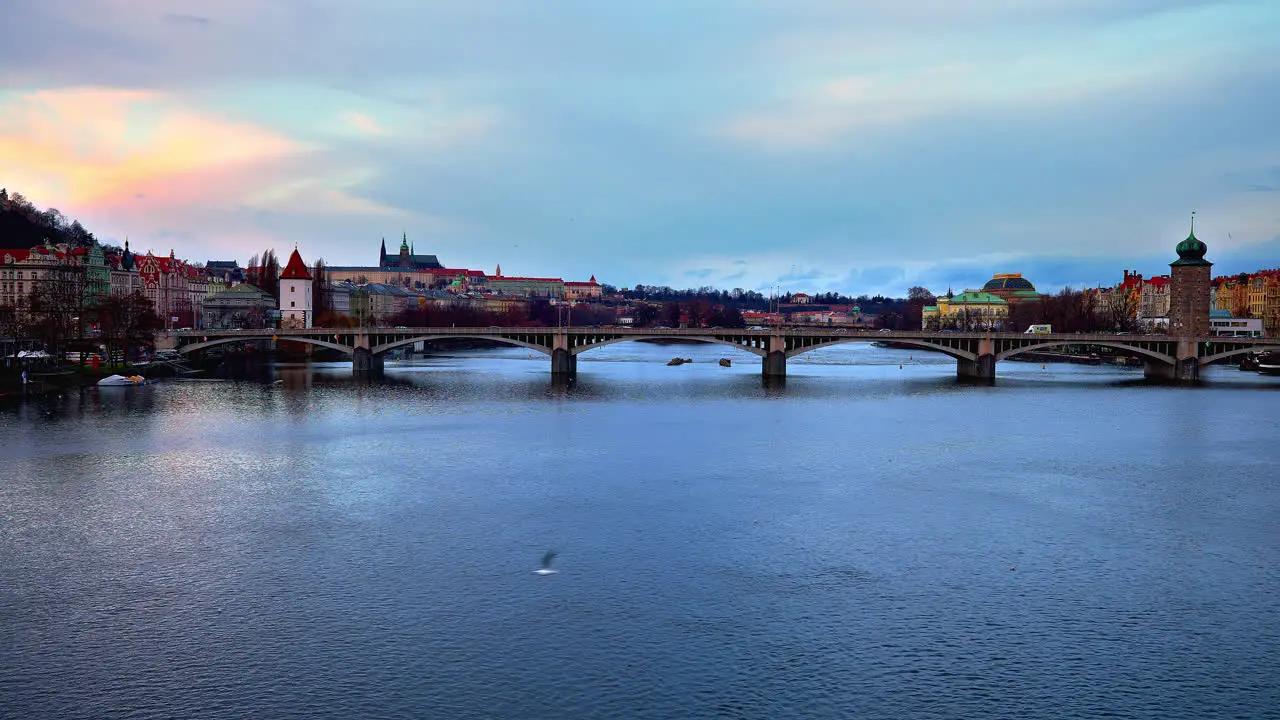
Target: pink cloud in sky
(91, 148)
(140, 163)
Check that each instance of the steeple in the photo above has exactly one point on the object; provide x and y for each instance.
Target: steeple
(1191, 251)
(497, 272)
(404, 243)
(382, 255)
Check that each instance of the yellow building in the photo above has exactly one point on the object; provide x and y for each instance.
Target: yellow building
(970, 310)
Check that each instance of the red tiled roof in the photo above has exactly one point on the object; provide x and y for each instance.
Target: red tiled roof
(295, 269)
(507, 277)
(450, 271)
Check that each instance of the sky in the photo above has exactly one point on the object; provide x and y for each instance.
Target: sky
(806, 145)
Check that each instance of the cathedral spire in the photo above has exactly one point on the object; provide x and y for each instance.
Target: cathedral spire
(497, 272)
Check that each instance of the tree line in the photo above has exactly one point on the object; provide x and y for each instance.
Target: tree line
(23, 225)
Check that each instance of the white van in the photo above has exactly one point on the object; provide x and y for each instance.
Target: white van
(1039, 330)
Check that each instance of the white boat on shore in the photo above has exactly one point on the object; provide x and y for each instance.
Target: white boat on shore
(115, 380)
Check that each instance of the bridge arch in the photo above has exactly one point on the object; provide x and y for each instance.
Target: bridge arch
(698, 338)
(1166, 359)
(253, 338)
(922, 344)
(379, 349)
(1208, 359)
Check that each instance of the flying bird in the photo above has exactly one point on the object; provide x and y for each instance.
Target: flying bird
(546, 568)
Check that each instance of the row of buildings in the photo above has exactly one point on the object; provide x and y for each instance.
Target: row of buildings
(216, 294)
(175, 287)
(414, 272)
(1187, 299)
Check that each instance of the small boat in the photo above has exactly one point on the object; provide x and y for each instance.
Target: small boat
(1269, 363)
(112, 380)
(725, 362)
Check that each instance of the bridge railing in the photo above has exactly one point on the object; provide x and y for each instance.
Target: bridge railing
(1083, 338)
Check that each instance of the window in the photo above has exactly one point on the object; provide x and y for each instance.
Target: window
(292, 288)
(291, 303)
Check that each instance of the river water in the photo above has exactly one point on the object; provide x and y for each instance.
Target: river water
(873, 540)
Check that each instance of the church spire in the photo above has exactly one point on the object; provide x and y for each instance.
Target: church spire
(382, 254)
(404, 243)
(497, 272)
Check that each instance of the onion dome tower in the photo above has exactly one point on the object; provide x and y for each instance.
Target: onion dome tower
(1189, 278)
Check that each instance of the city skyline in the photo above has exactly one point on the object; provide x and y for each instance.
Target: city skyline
(749, 144)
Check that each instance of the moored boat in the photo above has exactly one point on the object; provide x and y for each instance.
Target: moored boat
(116, 380)
(1269, 363)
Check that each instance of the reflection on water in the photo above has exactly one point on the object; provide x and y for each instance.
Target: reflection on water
(865, 540)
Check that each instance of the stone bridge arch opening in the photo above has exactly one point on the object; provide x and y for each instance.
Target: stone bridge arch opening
(759, 352)
(198, 346)
(1238, 352)
(384, 347)
(1144, 352)
(956, 353)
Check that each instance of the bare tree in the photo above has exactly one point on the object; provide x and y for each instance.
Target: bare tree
(57, 307)
(128, 321)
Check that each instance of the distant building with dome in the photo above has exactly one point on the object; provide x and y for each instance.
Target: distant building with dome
(987, 307)
(1012, 288)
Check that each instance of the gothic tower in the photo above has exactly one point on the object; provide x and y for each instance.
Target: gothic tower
(382, 256)
(295, 294)
(1189, 278)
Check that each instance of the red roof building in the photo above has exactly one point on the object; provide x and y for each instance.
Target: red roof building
(295, 269)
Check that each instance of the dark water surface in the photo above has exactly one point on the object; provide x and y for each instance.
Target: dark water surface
(867, 542)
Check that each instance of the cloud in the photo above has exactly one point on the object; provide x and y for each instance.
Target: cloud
(870, 145)
(91, 147)
(945, 75)
(185, 19)
(138, 162)
(363, 123)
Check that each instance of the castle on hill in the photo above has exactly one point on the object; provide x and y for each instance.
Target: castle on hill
(413, 272)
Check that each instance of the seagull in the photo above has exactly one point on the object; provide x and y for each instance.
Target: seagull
(546, 564)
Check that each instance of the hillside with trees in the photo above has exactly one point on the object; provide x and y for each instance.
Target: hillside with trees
(23, 225)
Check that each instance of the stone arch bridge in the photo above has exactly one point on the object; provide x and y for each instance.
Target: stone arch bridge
(976, 353)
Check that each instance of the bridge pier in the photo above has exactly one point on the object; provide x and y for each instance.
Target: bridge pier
(774, 364)
(1184, 370)
(564, 365)
(983, 369)
(365, 364)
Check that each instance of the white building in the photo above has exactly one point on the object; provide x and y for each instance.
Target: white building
(1223, 324)
(295, 294)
